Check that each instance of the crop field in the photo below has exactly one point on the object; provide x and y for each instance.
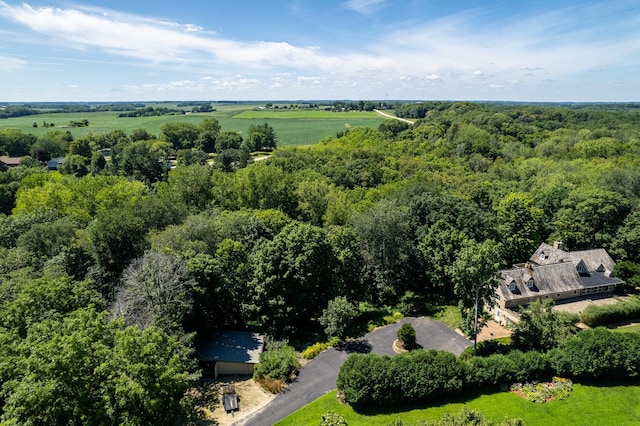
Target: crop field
(306, 114)
(588, 405)
(297, 127)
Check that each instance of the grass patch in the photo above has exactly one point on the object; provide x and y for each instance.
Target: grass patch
(448, 315)
(628, 329)
(602, 405)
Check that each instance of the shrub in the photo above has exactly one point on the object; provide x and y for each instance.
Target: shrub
(599, 353)
(407, 335)
(412, 376)
(277, 363)
(338, 316)
(315, 349)
(594, 315)
(332, 419)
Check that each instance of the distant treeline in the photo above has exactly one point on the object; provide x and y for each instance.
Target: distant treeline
(152, 112)
(22, 110)
(561, 113)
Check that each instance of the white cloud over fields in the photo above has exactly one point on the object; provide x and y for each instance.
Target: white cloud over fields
(467, 55)
(9, 64)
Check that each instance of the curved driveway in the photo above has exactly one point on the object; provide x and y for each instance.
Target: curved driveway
(319, 375)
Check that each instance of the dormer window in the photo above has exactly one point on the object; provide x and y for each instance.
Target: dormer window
(530, 283)
(581, 268)
(544, 256)
(512, 286)
(601, 268)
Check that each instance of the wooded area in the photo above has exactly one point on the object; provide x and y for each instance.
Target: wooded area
(109, 265)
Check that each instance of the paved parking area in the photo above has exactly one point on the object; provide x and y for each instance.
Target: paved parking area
(318, 376)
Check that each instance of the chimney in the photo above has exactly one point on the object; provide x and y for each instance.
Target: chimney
(527, 265)
(558, 245)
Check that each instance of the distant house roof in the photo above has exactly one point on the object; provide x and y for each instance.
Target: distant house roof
(10, 161)
(230, 346)
(54, 163)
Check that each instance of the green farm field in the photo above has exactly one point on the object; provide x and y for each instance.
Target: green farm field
(293, 128)
(588, 405)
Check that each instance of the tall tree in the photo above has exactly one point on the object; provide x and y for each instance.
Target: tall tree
(386, 248)
(209, 131)
(180, 134)
(475, 274)
(589, 218)
(82, 369)
(261, 137)
(520, 226)
(156, 290)
(293, 279)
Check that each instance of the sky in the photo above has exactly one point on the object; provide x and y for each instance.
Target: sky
(142, 50)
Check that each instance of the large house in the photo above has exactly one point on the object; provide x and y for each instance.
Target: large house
(553, 273)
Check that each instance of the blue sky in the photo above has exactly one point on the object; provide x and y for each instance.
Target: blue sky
(118, 50)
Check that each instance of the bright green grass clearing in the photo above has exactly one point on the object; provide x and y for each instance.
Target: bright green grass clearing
(295, 130)
(449, 315)
(587, 405)
(301, 113)
(629, 329)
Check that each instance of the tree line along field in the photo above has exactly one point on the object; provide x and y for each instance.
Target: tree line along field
(293, 127)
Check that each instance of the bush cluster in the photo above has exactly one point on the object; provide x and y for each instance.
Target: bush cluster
(278, 364)
(559, 388)
(315, 349)
(595, 315)
(415, 376)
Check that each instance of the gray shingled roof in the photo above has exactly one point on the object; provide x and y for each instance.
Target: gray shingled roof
(230, 346)
(594, 258)
(551, 255)
(554, 271)
(595, 279)
(548, 279)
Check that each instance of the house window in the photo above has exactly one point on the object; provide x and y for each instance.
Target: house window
(543, 256)
(530, 283)
(512, 286)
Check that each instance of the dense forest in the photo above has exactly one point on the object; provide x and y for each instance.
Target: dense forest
(111, 267)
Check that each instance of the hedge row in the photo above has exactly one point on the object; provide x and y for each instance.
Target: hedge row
(595, 315)
(419, 375)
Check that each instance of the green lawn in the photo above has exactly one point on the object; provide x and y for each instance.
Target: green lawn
(587, 405)
(628, 329)
(295, 128)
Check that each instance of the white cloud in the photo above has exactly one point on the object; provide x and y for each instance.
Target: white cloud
(157, 41)
(9, 64)
(365, 7)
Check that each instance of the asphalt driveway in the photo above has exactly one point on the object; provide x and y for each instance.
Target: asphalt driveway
(319, 375)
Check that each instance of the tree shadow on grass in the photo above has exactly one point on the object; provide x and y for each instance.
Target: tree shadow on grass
(358, 346)
(400, 408)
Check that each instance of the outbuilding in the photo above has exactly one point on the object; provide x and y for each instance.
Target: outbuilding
(229, 352)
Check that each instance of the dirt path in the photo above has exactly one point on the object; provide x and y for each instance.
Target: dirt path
(393, 117)
(251, 397)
